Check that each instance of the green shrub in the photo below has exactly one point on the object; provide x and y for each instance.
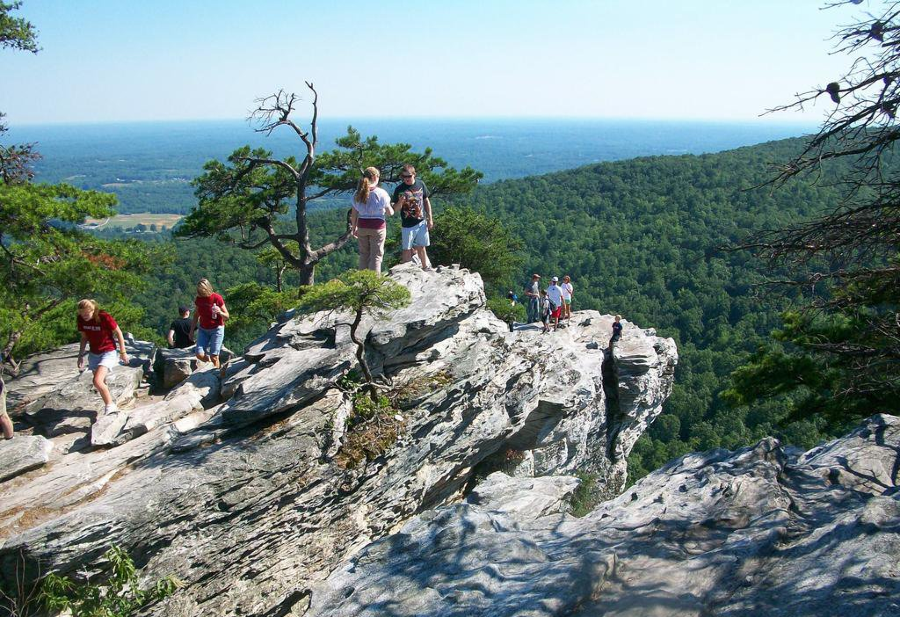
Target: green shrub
(586, 496)
(371, 430)
(506, 311)
(119, 596)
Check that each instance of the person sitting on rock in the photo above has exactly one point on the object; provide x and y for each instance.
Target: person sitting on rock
(100, 330)
(6, 425)
(211, 315)
(616, 329)
(179, 336)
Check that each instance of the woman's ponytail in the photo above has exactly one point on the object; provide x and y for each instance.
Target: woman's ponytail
(369, 179)
(362, 191)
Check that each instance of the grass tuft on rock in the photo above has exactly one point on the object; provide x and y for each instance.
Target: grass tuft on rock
(371, 430)
(586, 496)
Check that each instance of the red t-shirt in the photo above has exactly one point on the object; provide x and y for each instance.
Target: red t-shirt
(204, 311)
(99, 334)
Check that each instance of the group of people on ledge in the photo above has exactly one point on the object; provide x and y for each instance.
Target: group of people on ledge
(372, 206)
(550, 306)
(101, 337)
(553, 306)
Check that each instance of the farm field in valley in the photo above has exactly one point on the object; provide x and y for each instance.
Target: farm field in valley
(125, 221)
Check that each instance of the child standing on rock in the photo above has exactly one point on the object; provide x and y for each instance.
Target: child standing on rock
(546, 311)
(211, 315)
(100, 331)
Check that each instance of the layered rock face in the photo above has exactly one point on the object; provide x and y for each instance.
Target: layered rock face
(249, 502)
(760, 531)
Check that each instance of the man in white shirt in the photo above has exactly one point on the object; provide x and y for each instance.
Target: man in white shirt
(554, 294)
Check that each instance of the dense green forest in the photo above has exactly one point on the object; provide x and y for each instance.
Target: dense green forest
(641, 238)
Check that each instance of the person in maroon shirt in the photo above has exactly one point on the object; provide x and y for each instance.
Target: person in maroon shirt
(211, 315)
(100, 331)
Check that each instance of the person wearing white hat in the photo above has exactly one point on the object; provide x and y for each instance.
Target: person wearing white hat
(554, 294)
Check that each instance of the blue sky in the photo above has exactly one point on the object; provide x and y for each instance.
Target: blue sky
(122, 60)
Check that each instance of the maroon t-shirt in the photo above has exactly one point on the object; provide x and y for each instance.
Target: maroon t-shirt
(204, 311)
(99, 333)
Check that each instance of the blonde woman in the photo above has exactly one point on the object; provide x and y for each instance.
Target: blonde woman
(100, 333)
(211, 314)
(371, 204)
(567, 292)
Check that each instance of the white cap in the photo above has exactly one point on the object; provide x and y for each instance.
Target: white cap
(554, 280)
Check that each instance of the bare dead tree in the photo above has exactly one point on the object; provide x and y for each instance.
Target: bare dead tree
(272, 112)
(862, 128)
(247, 200)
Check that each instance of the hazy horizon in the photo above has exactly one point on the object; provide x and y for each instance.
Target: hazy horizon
(561, 119)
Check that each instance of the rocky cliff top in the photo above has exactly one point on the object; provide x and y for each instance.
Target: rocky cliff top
(253, 485)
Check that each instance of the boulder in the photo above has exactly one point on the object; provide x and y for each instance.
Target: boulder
(527, 498)
(173, 366)
(200, 389)
(21, 454)
(107, 427)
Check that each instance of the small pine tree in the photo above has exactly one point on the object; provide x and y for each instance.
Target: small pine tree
(359, 291)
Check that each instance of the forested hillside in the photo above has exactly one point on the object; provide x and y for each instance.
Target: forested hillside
(639, 238)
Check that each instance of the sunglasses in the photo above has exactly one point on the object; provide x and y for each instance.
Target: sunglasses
(407, 175)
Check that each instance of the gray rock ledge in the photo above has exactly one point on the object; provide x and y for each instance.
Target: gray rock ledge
(759, 531)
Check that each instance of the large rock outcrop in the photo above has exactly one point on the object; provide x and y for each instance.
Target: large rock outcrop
(760, 531)
(251, 501)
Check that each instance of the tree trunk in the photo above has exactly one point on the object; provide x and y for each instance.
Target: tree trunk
(279, 273)
(361, 358)
(7, 357)
(308, 274)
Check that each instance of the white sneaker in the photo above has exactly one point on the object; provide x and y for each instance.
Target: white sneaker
(111, 408)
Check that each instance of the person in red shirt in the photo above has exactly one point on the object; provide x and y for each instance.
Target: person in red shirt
(100, 331)
(211, 315)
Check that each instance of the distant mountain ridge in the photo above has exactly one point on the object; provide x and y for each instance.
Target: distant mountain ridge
(146, 164)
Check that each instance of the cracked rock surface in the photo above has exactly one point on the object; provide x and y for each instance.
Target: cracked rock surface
(759, 531)
(237, 488)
